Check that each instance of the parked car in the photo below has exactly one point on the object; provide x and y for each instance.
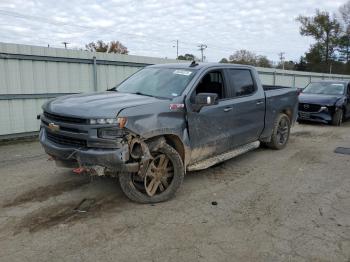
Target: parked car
(165, 120)
(325, 101)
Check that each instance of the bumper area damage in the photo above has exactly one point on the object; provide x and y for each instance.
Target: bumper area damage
(132, 157)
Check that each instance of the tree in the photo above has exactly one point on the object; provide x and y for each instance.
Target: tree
(324, 29)
(224, 60)
(189, 57)
(243, 57)
(344, 41)
(246, 57)
(287, 65)
(262, 61)
(111, 47)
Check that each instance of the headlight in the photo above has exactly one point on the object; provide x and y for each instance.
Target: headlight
(103, 121)
(324, 108)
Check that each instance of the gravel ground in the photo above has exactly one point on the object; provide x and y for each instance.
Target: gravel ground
(289, 205)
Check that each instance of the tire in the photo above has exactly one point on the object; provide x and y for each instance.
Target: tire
(337, 119)
(134, 187)
(281, 128)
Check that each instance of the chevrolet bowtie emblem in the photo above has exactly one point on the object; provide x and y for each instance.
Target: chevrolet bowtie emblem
(54, 127)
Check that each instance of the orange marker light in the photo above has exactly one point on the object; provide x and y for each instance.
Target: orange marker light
(122, 121)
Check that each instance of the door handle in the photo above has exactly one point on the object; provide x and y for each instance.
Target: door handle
(227, 109)
(259, 102)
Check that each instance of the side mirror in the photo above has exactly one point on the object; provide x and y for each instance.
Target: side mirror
(206, 99)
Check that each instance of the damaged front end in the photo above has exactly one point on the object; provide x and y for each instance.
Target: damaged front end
(132, 155)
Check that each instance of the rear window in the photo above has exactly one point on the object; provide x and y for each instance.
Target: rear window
(241, 82)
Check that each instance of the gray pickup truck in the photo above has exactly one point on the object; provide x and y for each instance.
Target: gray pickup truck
(165, 120)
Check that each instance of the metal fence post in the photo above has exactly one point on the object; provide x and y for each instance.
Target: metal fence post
(294, 78)
(94, 69)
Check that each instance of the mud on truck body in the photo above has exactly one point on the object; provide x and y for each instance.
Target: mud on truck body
(165, 120)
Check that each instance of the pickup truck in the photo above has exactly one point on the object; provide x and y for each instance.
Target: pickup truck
(165, 120)
(326, 101)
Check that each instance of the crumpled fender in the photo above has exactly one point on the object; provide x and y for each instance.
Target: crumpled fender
(157, 119)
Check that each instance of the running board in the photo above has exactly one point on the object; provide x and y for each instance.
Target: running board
(203, 164)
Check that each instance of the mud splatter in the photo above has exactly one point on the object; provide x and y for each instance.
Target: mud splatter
(44, 192)
(302, 134)
(66, 213)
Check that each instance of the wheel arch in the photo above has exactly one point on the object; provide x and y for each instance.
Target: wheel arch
(175, 142)
(288, 112)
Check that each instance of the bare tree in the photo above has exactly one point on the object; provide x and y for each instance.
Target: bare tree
(111, 47)
(248, 58)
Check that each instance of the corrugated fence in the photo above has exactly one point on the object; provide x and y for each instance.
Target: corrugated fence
(29, 75)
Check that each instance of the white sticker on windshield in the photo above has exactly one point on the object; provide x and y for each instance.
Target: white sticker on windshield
(182, 72)
(174, 94)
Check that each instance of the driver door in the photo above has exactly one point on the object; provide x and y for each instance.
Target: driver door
(210, 127)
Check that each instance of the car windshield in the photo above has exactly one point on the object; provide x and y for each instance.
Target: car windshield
(157, 82)
(325, 88)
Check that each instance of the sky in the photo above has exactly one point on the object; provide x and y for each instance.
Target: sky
(151, 27)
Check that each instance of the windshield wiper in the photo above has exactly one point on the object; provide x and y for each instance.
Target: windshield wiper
(113, 89)
(143, 94)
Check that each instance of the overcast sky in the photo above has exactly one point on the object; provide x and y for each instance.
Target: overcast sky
(150, 27)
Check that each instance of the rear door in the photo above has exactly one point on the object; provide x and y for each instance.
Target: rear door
(248, 102)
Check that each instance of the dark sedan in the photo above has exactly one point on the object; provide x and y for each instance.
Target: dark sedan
(325, 101)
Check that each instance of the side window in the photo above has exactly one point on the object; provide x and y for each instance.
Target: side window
(241, 82)
(212, 82)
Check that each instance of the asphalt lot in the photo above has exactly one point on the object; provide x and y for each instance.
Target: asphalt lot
(289, 205)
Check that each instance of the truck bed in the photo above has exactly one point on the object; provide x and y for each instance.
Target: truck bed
(279, 99)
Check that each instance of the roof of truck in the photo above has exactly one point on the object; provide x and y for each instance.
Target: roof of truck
(198, 65)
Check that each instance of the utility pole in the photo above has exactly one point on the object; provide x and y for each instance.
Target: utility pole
(281, 55)
(177, 49)
(65, 44)
(202, 47)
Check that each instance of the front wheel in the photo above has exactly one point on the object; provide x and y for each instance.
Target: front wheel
(161, 180)
(280, 133)
(337, 118)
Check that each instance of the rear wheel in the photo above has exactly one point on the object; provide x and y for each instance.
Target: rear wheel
(337, 119)
(280, 133)
(161, 180)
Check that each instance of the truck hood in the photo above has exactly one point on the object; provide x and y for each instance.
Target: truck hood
(95, 105)
(326, 100)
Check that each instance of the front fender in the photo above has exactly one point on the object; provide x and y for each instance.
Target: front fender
(148, 121)
(340, 102)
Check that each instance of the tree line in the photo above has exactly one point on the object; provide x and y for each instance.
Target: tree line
(330, 52)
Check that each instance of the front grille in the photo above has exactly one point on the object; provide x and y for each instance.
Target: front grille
(67, 129)
(304, 115)
(64, 140)
(65, 119)
(309, 107)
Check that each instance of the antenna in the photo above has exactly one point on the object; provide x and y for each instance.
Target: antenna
(193, 63)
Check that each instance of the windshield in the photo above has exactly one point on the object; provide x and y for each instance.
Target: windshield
(325, 88)
(157, 82)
